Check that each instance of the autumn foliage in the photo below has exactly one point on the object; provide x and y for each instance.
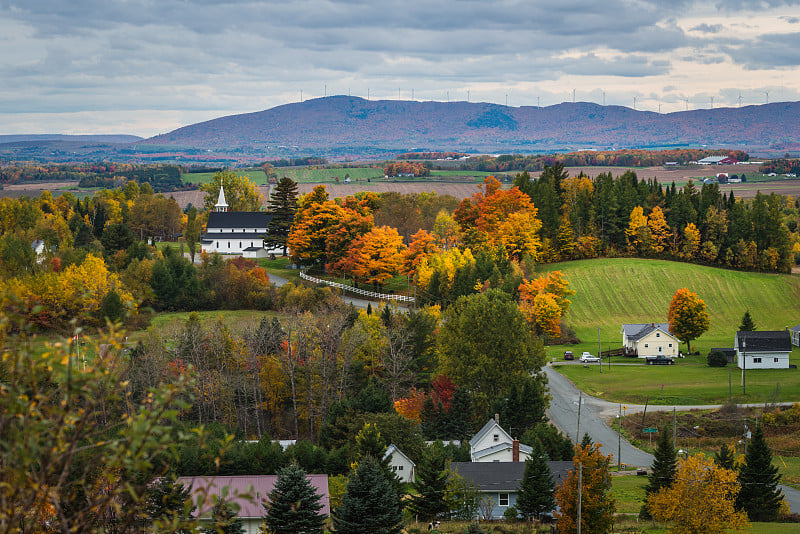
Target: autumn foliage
(597, 503)
(544, 302)
(701, 500)
(687, 315)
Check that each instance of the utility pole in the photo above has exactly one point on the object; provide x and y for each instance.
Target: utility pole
(573, 96)
(730, 396)
(744, 366)
(580, 494)
(599, 350)
(619, 440)
(674, 428)
(467, 95)
(578, 430)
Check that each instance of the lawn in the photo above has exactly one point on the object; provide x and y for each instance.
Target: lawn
(173, 321)
(628, 491)
(689, 381)
(256, 176)
(280, 267)
(613, 291)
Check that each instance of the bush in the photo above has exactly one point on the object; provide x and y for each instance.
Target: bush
(510, 514)
(717, 359)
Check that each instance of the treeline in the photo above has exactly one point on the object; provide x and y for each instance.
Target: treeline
(599, 158)
(299, 162)
(431, 155)
(161, 178)
(406, 168)
(781, 166)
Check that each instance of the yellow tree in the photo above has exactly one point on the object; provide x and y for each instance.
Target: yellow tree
(701, 500)
(377, 255)
(659, 230)
(445, 228)
(691, 241)
(687, 315)
(544, 302)
(240, 193)
(597, 503)
(423, 244)
(519, 234)
(637, 233)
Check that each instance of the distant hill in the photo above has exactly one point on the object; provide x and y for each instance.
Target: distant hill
(338, 122)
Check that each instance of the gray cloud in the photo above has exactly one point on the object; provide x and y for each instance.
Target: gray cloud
(194, 56)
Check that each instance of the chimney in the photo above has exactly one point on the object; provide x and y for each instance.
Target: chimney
(515, 450)
(497, 418)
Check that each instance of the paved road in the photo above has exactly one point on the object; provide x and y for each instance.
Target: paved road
(358, 303)
(595, 414)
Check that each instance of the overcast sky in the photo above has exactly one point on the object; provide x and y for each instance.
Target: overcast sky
(145, 67)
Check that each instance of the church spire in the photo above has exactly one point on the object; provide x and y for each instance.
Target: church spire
(221, 204)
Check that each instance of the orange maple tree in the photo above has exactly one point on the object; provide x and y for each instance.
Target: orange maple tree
(544, 302)
(423, 244)
(597, 503)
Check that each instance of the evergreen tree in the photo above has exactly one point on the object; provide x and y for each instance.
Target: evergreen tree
(747, 323)
(282, 205)
(431, 485)
(663, 470)
(760, 496)
(724, 458)
(293, 506)
(224, 520)
(586, 441)
(165, 498)
(370, 503)
(536, 488)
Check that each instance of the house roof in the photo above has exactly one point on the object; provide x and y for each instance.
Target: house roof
(256, 487)
(795, 328)
(763, 341)
(392, 449)
(636, 331)
(501, 447)
(238, 219)
(488, 427)
(254, 249)
(233, 235)
(504, 476)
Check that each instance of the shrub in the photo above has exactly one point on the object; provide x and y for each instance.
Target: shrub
(510, 514)
(717, 359)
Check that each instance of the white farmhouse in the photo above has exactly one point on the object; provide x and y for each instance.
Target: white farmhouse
(400, 464)
(768, 349)
(236, 232)
(649, 339)
(493, 444)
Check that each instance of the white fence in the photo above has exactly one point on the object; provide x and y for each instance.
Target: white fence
(356, 290)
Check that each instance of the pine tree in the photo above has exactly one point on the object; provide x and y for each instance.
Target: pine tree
(370, 503)
(536, 488)
(586, 441)
(282, 205)
(747, 323)
(724, 458)
(760, 496)
(664, 466)
(431, 485)
(224, 520)
(293, 506)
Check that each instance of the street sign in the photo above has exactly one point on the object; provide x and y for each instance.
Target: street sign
(649, 430)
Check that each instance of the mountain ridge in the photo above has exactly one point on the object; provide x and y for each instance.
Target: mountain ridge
(340, 121)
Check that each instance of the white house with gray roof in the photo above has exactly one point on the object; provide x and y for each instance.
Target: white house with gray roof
(765, 349)
(649, 339)
(400, 464)
(493, 444)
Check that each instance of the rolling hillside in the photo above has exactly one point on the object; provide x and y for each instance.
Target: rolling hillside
(339, 122)
(610, 292)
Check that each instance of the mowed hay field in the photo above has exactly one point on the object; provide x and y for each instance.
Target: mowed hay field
(610, 292)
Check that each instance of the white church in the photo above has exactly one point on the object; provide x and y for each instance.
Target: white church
(236, 232)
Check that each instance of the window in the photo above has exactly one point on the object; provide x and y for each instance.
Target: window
(658, 334)
(399, 467)
(775, 360)
(497, 437)
(502, 499)
(670, 345)
(645, 345)
(659, 349)
(394, 468)
(756, 360)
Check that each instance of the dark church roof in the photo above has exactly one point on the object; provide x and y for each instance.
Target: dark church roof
(238, 219)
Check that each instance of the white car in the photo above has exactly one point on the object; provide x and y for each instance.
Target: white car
(587, 357)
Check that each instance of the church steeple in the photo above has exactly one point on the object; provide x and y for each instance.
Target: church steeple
(221, 204)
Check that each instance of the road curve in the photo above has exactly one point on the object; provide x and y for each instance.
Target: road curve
(595, 413)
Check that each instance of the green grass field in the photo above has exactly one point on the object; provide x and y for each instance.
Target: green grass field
(610, 292)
